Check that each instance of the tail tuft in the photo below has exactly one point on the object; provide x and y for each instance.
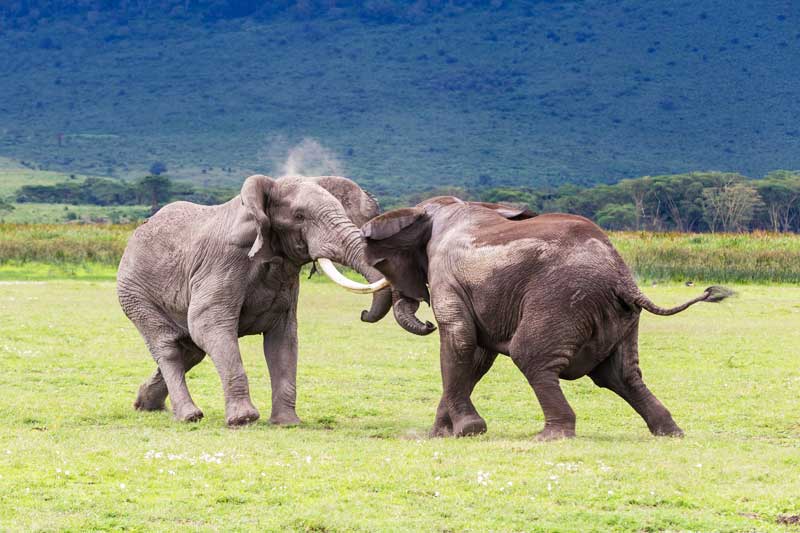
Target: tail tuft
(717, 293)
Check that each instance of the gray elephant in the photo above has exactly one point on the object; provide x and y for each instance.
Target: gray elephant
(194, 279)
(550, 291)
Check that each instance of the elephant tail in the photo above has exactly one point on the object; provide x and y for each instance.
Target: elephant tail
(713, 294)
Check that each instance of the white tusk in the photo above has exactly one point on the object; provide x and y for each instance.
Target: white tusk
(350, 285)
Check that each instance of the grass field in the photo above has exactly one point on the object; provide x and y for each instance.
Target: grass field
(62, 213)
(74, 454)
(47, 251)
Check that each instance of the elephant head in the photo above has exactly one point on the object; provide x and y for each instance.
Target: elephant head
(315, 219)
(396, 245)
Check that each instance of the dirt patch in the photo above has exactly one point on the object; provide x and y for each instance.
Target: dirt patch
(789, 519)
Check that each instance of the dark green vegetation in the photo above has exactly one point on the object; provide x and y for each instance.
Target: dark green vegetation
(75, 456)
(406, 95)
(696, 202)
(35, 251)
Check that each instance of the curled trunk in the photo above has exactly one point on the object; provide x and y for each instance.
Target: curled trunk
(404, 309)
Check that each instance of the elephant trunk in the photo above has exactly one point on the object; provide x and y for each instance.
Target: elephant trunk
(353, 257)
(404, 309)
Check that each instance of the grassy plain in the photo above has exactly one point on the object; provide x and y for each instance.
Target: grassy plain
(63, 213)
(49, 251)
(75, 455)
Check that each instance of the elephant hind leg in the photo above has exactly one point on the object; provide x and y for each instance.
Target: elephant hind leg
(620, 373)
(542, 372)
(153, 393)
(173, 360)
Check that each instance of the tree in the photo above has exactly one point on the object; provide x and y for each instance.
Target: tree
(780, 191)
(638, 190)
(616, 216)
(730, 206)
(156, 190)
(158, 168)
(5, 207)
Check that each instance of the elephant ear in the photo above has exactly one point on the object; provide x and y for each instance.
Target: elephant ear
(508, 211)
(254, 195)
(359, 205)
(391, 223)
(396, 245)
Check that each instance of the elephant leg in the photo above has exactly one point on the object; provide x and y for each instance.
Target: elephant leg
(280, 351)
(457, 348)
(443, 425)
(221, 343)
(542, 372)
(620, 373)
(172, 368)
(153, 392)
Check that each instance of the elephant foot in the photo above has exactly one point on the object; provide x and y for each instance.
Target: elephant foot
(188, 413)
(149, 400)
(469, 425)
(555, 433)
(440, 432)
(667, 429)
(241, 414)
(285, 419)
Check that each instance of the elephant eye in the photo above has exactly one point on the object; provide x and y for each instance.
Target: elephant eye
(299, 217)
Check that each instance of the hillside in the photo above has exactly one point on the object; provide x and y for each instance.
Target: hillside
(516, 93)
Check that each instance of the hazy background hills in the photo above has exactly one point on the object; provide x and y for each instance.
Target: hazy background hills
(402, 95)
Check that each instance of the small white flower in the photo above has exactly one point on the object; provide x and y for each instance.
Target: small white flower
(510, 483)
(549, 487)
(308, 459)
(611, 493)
(122, 486)
(699, 465)
(436, 494)
(171, 472)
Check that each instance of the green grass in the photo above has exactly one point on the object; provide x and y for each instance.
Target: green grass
(62, 213)
(74, 454)
(12, 177)
(736, 257)
(62, 251)
(74, 245)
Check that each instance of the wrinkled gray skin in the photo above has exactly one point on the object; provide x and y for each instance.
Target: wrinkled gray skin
(550, 291)
(194, 279)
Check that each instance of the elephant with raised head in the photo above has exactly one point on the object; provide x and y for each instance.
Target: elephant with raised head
(194, 279)
(550, 291)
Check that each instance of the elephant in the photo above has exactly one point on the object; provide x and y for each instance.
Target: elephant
(550, 291)
(194, 279)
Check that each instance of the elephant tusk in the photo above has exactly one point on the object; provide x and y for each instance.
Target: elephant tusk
(329, 270)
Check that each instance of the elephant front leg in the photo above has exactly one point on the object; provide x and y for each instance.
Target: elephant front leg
(482, 361)
(222, 345)
(457, 342)
(280, 351)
